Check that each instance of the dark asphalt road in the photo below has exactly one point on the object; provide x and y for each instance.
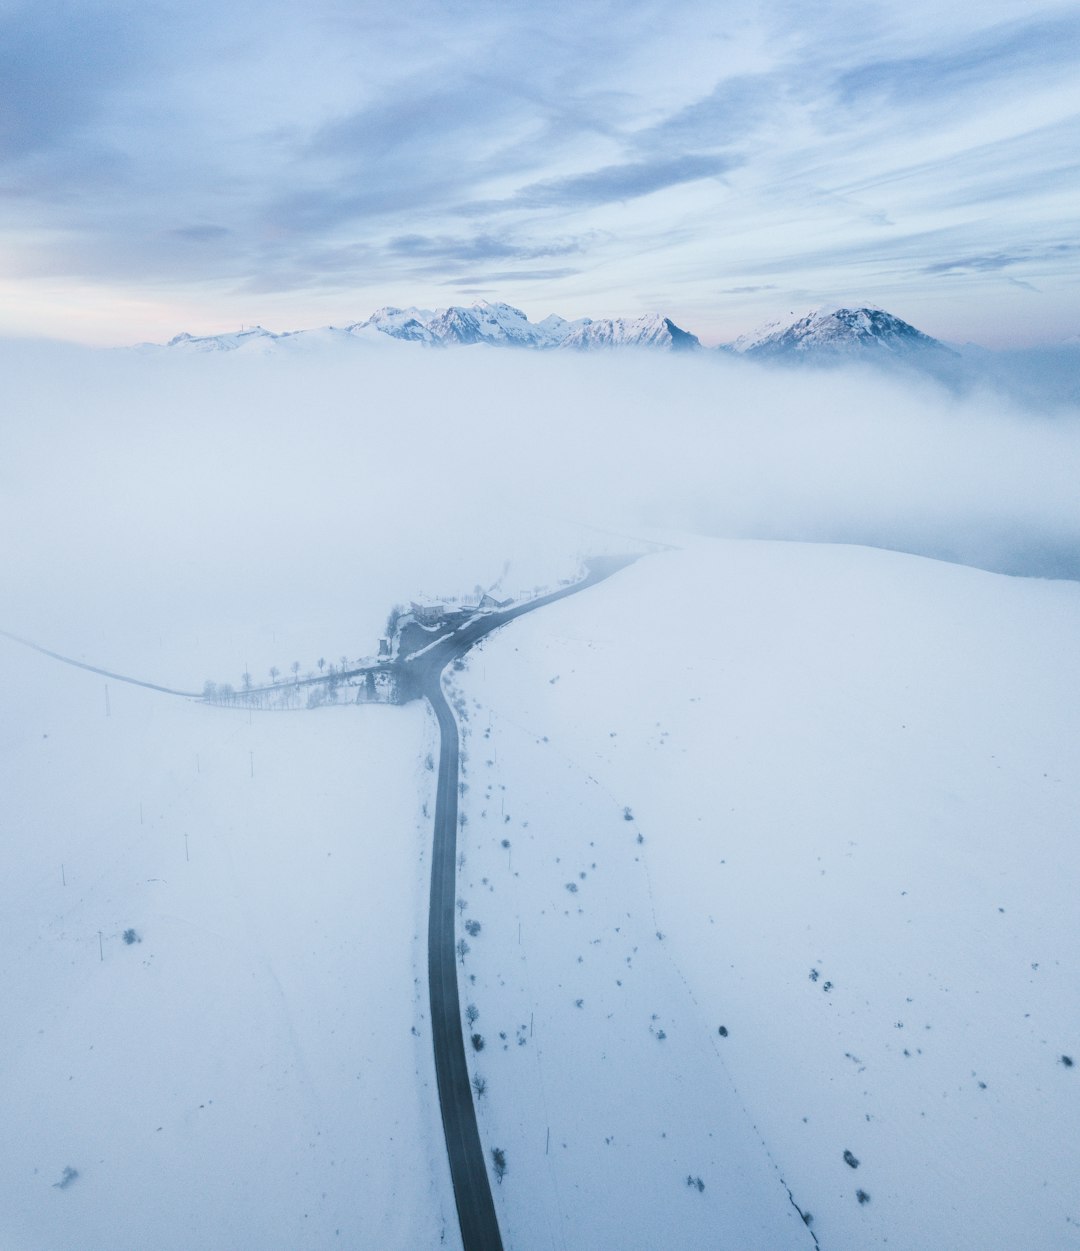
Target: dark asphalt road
(468, 1165)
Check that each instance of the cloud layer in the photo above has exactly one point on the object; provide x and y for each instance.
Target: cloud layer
(302, 495)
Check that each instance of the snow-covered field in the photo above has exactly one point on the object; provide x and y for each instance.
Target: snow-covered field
(841, 919)
(246, 1072)
(770, 845)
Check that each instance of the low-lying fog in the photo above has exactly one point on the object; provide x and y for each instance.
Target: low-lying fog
(182, 516)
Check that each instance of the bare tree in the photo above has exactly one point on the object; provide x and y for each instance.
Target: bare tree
(498, 1159)
(274, 671)
(322, 664)
(462, 949)
(472, 1014)
(295, 667)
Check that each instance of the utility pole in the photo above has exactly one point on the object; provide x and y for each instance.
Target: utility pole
(186, 856)
(101, 948)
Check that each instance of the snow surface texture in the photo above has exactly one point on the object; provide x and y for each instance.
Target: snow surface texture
(835, 944)
(495, 324)
(252, 1066)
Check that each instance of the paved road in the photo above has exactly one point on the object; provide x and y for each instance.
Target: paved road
(468, 1165)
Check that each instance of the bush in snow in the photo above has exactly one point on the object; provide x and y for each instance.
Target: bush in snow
(66, 1178)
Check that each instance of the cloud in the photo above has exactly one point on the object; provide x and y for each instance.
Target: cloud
(728, 115)
(1004, 51)
(613, 183)
(994, 261)
(980, 264)
(477, 248)
(511, 275)
(201, 234)
(59, 65)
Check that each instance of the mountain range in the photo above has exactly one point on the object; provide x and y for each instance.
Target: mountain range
(824, 336)
(499, 325)
(824, 332)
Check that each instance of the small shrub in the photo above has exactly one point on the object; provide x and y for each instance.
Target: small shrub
(479, 1085)
(472, 928)
(477, 1042)
(627, 815)
(862, 1196)
(66, 1178)
(131, 937)
(498, 1159)
(850, 1160)
(722, 1031)
(1067, 1061)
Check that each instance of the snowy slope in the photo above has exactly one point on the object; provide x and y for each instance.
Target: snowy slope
(255, 1070)
(854, 775)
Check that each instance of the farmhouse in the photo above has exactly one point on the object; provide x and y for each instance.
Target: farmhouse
(427, 614)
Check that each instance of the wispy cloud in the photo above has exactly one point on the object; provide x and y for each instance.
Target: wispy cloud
(611, 183)
(1007, 51)
(510, 275)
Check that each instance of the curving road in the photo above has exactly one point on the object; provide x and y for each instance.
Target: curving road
(468, 1166)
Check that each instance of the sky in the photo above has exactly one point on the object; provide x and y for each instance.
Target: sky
(188, 166)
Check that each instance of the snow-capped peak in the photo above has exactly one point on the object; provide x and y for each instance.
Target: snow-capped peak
(837, 329)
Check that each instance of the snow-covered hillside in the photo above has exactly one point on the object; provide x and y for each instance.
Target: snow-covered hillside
(252, 1069)
(773, 852)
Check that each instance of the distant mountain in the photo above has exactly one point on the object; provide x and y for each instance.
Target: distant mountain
(831, 332)
(653, 331)
(499, 325)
